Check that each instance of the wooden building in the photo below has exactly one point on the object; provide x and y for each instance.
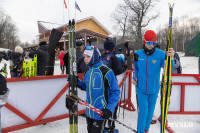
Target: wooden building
(90, 30)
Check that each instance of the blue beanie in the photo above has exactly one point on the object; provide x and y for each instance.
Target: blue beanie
(95, 57)
(109, 44)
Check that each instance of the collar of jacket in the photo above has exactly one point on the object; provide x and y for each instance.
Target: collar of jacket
(98, 64)
(148, 52)
(43, 47)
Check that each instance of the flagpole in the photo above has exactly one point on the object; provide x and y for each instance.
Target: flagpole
(64, 25)
(63, 12)
(75, 14)
(68, 11)
(75, 10)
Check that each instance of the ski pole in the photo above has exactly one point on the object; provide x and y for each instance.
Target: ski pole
(91, 107)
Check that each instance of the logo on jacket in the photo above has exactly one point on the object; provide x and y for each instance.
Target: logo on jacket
(154, 61)
(108, 58)
(95, 124)
(140, 59)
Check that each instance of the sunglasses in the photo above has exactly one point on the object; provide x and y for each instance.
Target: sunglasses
(149, 43)
(89, 47)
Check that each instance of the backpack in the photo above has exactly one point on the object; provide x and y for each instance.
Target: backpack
(179, 69)
(121, 60)
(107, 60)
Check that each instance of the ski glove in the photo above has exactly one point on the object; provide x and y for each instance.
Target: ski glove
(69, 103)
(75, 78)
(106, 114)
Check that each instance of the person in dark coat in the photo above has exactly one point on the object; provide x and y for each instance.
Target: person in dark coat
(177, 64)
(3, 55)
(4, 91)
(111, 61)
(81, 66)
(42, 58)
(17, 62)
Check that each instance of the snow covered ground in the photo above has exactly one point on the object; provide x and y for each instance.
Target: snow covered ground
(179, 123)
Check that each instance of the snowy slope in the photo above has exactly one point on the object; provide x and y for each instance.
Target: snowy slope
(192, 122)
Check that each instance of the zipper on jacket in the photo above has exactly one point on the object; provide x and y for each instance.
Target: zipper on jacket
(156, 82)
(147, 75)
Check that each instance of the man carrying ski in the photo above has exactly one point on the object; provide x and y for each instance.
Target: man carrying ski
(147, 63)
(102, 90)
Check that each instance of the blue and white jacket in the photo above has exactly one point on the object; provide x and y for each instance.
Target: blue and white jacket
(147, 71)
(102, 90)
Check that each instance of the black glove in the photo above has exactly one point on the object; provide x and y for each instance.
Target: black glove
(106, 114)
(69, 103)
(125, 66)
(75, 78)
(3, 86)
(68, 77)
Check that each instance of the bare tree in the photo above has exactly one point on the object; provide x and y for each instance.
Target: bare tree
(183, 31)
(120, 18)
(8, 31)
(141, 15)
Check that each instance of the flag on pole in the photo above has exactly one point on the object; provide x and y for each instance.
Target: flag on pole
(77, 7)
(65, 4)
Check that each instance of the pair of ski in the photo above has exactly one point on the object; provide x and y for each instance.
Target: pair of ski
(73, 112)
(78, 100)
(166, 83)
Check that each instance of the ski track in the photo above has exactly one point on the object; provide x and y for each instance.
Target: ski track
(189, 66)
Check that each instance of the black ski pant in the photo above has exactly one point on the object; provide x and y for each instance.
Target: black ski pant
(95, 126)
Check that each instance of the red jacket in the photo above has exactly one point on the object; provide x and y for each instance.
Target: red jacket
(61, 58)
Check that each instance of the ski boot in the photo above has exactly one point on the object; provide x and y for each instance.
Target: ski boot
(107, 130)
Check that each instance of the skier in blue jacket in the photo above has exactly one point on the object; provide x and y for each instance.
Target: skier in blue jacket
(148, 62)
(102, 90)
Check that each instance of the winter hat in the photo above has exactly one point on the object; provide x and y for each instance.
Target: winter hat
(109, 44)
(19, 49)
(150, 36)
(95, 54)
(89, 52)
(42, 43)
(79, 43)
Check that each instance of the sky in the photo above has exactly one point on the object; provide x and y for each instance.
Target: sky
(26, 13)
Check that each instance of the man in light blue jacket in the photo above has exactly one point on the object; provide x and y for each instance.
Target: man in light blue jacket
(148, 63)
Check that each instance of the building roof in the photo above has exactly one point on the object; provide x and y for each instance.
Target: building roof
(48, 26)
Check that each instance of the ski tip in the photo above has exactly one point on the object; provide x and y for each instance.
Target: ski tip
(70, 22)
(73, 21)
(171, 6)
